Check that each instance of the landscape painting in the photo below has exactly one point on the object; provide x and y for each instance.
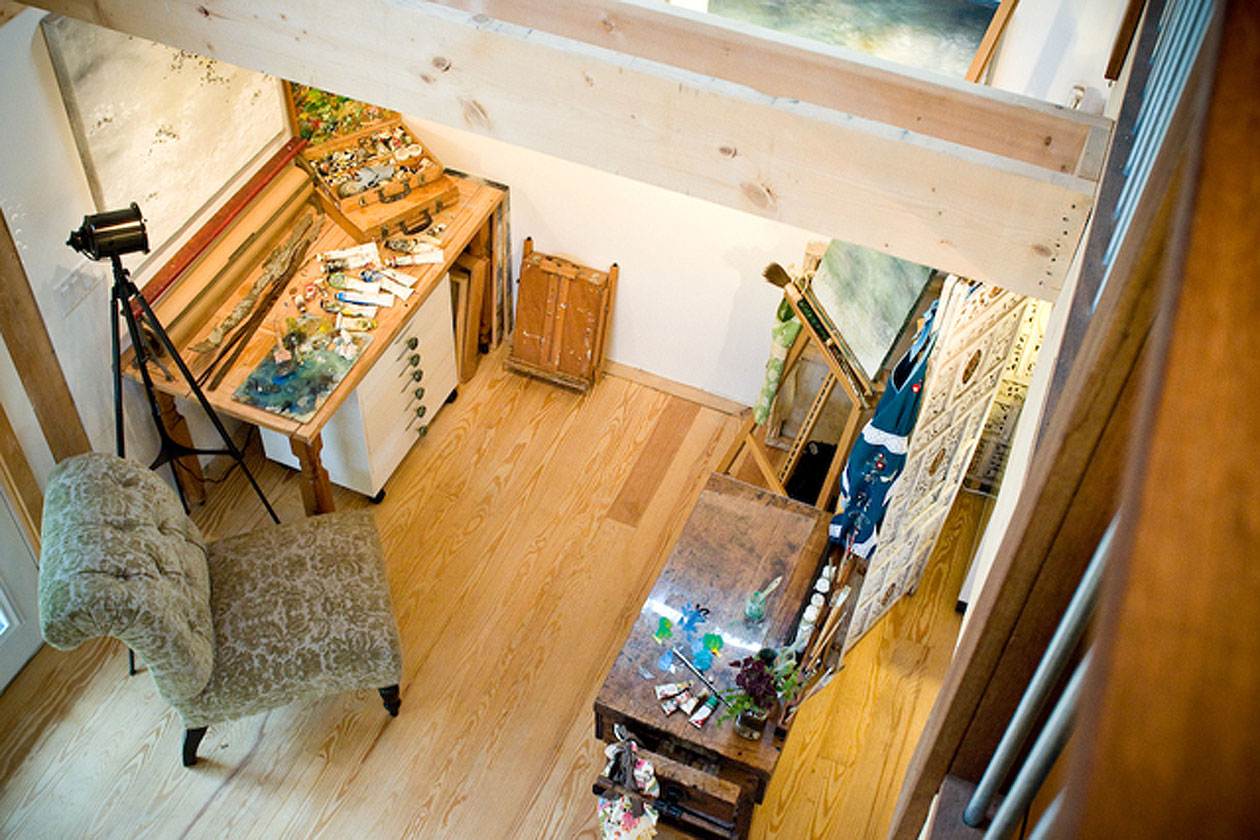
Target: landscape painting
(938, 35)
(869, 296)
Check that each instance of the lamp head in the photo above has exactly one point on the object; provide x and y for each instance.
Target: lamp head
(111, 234)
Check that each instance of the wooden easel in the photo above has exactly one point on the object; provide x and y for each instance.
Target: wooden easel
(842, 368)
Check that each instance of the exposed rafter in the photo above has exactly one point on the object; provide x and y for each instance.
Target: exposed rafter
(922, 197)
(983, 118)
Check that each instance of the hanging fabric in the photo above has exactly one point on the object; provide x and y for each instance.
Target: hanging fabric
(628, 811)
(879, 453)
(782, 335)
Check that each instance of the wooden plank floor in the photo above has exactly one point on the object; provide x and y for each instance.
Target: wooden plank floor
(521, 537)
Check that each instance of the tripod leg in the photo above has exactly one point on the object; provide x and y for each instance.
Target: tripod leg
(228, 443)
(128, 293)
(120, 445)
(188, 475)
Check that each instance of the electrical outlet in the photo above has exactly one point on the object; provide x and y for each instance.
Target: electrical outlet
(73, 286)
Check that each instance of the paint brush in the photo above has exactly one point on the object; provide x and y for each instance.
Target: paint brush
(712, 688)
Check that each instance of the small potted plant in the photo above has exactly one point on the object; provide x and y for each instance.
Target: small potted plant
(761, 682)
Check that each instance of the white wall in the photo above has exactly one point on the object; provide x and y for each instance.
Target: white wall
(44, 195)
(691, 304)
(1052, 45)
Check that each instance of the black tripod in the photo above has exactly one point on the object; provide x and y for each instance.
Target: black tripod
(126, 299)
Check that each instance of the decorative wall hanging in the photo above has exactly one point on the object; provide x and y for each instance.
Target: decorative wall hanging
(987, 345)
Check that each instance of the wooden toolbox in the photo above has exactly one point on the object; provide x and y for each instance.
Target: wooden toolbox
(562, 319)
(378, 175)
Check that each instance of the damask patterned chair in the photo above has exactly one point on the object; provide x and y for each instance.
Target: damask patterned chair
(229, 628)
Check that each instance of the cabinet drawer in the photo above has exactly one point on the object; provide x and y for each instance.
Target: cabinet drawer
(366, 439)
(425, 342)
(409, 385)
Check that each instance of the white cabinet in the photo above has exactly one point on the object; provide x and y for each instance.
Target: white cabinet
(367, 438)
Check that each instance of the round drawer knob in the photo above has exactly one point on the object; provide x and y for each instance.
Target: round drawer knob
(413, 359)
(417, 375)
(421, 411)
(419, 392)
(422, 431)
(413, 343)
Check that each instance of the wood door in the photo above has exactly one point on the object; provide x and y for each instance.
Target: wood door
(19, 615)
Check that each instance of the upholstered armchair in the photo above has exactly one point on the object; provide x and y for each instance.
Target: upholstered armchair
(228, 628)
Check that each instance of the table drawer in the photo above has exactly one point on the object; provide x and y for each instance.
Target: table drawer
(366, 439)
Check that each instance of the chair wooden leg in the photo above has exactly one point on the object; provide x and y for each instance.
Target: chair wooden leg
(389, 695)
(192, 739)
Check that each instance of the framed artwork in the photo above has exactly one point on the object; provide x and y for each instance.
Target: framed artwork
(165, 128)
(938, 35)
(867, 296)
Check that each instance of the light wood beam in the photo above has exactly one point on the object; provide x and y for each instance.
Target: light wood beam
(778, 64)
(34, 357)
(917, 197)
(20, 484)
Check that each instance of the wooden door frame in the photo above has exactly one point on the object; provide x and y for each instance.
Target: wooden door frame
(35, 358)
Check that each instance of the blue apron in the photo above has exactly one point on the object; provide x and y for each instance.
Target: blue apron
(879, 454)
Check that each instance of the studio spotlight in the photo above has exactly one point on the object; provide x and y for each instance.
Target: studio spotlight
(111, 234)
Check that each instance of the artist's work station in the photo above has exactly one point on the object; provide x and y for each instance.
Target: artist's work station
(317, 305)
(337, 292)
(738, 540)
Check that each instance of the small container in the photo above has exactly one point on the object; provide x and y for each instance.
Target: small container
(702, 714)
(667, 690)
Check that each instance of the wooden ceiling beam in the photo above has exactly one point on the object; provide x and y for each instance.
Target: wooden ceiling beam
(915, 196)
(781, 65)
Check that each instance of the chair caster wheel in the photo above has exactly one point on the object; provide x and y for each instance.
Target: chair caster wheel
(379, 497)
(452, 396)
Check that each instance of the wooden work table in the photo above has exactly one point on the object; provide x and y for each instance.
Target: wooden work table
(736, 540)
(469, 225)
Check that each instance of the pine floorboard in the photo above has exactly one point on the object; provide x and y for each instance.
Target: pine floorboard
(521, 538)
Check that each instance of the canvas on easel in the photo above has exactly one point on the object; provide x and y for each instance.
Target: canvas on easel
(854, 305)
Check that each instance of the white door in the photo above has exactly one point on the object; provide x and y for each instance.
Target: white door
(19, 604)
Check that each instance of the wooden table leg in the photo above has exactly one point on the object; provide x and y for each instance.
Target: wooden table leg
(188, 470)
(316, 488)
